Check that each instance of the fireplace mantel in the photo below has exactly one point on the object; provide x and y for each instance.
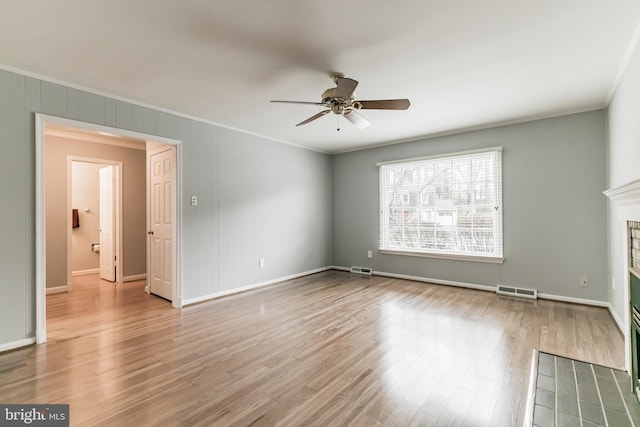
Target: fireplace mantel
(627, 194)
(627, 199)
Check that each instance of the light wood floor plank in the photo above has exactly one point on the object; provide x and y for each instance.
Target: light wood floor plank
(322, 350)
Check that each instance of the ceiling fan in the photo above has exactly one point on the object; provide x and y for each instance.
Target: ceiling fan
(341, 100)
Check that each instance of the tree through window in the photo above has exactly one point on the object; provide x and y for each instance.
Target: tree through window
(447, 205)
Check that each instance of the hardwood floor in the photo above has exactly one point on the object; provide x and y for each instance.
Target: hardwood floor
(326, 349)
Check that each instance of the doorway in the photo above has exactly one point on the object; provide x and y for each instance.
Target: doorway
(44, 122)
(94, 239)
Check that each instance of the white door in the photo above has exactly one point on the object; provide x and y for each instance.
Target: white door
(162, 221)
(107, 220)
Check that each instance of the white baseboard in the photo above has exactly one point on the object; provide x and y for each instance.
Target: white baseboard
(134, 277)
(208, 297)
(57, 290)
(17, 344)
(573, 300)
(436, 281)
(85, 272)
(486, 288)
(617, 319)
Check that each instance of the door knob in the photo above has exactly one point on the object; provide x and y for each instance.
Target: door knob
(150, 233)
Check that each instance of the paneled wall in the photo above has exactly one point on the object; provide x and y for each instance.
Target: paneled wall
(257, 198)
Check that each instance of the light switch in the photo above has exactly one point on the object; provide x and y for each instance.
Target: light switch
(194, 200)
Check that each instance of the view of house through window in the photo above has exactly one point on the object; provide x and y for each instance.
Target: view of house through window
(446, 206)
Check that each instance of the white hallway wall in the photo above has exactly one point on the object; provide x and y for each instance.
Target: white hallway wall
(623, 168)
(85, 196)
(257, 198)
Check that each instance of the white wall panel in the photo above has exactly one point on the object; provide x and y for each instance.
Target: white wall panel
(32, 104)
(238, 179)
(110, 116)
(124, 115)
(73, 104)
(205, 187)
(13, 214)
(623, 159)
(91, 108)
(53, 99)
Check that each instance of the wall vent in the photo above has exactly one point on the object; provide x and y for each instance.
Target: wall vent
(517, 292)
(361, 270)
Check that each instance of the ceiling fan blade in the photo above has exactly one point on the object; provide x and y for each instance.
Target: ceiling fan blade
(345, 88)
(357, 119)
(385, 104)
(314, 117)
(299, 102)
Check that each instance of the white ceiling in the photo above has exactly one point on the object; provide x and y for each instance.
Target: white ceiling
(463, 63)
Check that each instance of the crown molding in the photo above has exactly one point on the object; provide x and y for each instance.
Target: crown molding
(625, 195)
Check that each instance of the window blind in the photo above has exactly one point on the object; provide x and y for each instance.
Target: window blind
(443, 205)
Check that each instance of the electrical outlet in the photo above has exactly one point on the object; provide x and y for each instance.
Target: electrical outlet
(613, 283)
(261, 262)
(584, 281)
(194, 200)
(369, 254)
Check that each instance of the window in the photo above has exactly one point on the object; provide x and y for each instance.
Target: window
(443, 206)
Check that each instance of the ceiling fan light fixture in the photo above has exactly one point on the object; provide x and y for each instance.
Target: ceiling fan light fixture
(341, 100)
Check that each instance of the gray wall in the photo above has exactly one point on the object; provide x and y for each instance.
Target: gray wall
(301, 210)
(257, 198)
(623, 159)
(134, 238)
(554, 209)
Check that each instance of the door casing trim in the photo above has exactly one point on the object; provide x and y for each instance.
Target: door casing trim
(40, 230)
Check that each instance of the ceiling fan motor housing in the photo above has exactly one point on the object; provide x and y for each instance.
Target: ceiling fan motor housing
(338, 105)
(341, 100)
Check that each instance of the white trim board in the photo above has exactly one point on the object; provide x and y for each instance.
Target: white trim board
(17, 344)
(617, 319)
(258, 285)
(437, 281)
(57, 290)
(134, 277)
(573, 300)
(488, 288)
(85, 272)
(624, 64)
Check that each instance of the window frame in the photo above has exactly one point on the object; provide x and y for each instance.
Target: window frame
(497, 256)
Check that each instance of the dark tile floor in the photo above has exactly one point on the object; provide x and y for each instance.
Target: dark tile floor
(574, 393)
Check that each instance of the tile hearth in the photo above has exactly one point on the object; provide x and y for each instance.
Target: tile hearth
(574, 393)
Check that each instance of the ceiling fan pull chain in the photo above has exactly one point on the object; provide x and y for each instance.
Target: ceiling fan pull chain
(338, 119)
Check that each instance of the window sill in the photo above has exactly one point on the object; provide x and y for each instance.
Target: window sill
(472, 258)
